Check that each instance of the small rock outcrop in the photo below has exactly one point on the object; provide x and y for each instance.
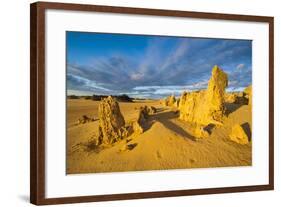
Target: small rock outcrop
(151, 110)
(139, 123)
(127, 147)
(239, 135)
(177, 103)
(137, 127)
(248, 92)
(110, 121)
(170, 101)
(201, 132)
(148, 110)
(230, 98)
(112, 127)
(206, 106)
(236, 98)
(85, 119)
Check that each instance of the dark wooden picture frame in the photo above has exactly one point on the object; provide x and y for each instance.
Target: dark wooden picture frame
(37, 102)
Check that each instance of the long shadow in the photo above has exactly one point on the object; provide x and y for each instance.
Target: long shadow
(231, 107)
(160, 110)
(247, 129)
(165, 117)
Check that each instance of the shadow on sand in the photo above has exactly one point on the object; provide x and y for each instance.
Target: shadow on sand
(230, 107)
(165, 119)
(247, 129)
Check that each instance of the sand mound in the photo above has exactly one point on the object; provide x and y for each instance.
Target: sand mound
(166, 142)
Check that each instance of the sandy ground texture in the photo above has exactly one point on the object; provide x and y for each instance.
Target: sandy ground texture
(167, 142)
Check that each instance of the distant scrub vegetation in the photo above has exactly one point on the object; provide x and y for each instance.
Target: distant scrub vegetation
(120, 98)
(73, 97)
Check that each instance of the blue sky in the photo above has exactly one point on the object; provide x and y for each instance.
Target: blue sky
(152, 66)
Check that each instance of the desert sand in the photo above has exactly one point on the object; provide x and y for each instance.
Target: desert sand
(168, 139)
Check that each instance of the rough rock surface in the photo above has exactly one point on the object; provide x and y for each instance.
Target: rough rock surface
(177, 102)
(151, 110)
(143, 114)
(148, 110)
(215, 94)
(201, 132)
(236, 98)
(248, 92)
(206, 106)
(112, 127)
(139, 123)
(110, 121)
(230, 97)
(85, 119)
(239, 135)
(170, 101)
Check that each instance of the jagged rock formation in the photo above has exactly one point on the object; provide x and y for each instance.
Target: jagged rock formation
(248, 92)
(201, 132)
(215, 94)
(236, 98)
(110, 121)
(206, 106)
(230, 97)
(137, 126)
(243, 97)
(170, 101)
(112, 127)
(148, 110)
(177, 102)
(190, 106)
(239, 135)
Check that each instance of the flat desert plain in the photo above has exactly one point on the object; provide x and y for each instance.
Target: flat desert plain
(166, 143)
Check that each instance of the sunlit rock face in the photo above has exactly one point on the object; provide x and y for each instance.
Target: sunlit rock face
(215, 95)
(112, 126)
(239, 135)
(248, 92)
(206, 106)
(236, 98)
(110, 121)
(170, 101)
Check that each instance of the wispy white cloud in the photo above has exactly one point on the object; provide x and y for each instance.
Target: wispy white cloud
(165, 66)
(176, 54)
(240, 66)
(86, 83)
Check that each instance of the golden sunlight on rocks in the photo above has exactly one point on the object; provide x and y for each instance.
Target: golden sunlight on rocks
(199, 129)
(239, 135)
(205, 107)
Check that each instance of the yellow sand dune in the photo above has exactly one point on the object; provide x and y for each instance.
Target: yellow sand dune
(167, 142)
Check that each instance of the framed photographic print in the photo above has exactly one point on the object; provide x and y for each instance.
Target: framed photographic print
(130, 103)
